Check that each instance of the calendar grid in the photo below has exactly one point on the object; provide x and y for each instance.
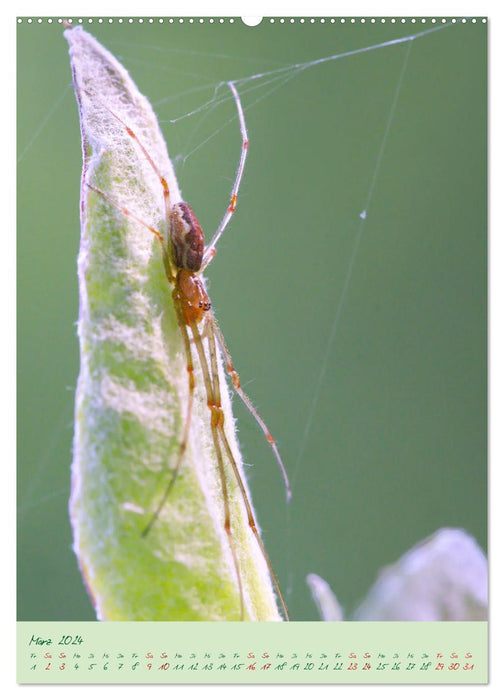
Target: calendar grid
(298, 652)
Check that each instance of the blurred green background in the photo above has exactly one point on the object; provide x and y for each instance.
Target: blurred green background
(371, 374)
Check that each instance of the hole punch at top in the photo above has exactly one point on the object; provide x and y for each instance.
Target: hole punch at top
(252, 21)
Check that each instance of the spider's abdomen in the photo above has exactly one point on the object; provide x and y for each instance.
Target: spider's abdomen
(187, 238)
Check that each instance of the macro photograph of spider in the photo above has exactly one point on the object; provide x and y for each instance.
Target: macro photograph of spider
(267, 379)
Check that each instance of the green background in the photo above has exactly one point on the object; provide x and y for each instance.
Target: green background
(396, 447)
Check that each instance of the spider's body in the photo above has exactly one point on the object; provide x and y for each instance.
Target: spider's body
(184, 253)
(186, 238)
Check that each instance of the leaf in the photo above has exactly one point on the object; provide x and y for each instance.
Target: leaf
(133, 387)
(325, 600)
(442, 578)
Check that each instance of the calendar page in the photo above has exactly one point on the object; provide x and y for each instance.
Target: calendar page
(252, 349)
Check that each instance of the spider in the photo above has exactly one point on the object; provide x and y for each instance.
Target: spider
(185, 258)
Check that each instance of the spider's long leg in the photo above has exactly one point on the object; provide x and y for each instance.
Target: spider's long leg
(248, 403)
(130, 132)
(227, 514)
(185, 437)
(250, 516)
(217, 420)
(251, 521)
(210, 248)
(168, 266)
(126, 212)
